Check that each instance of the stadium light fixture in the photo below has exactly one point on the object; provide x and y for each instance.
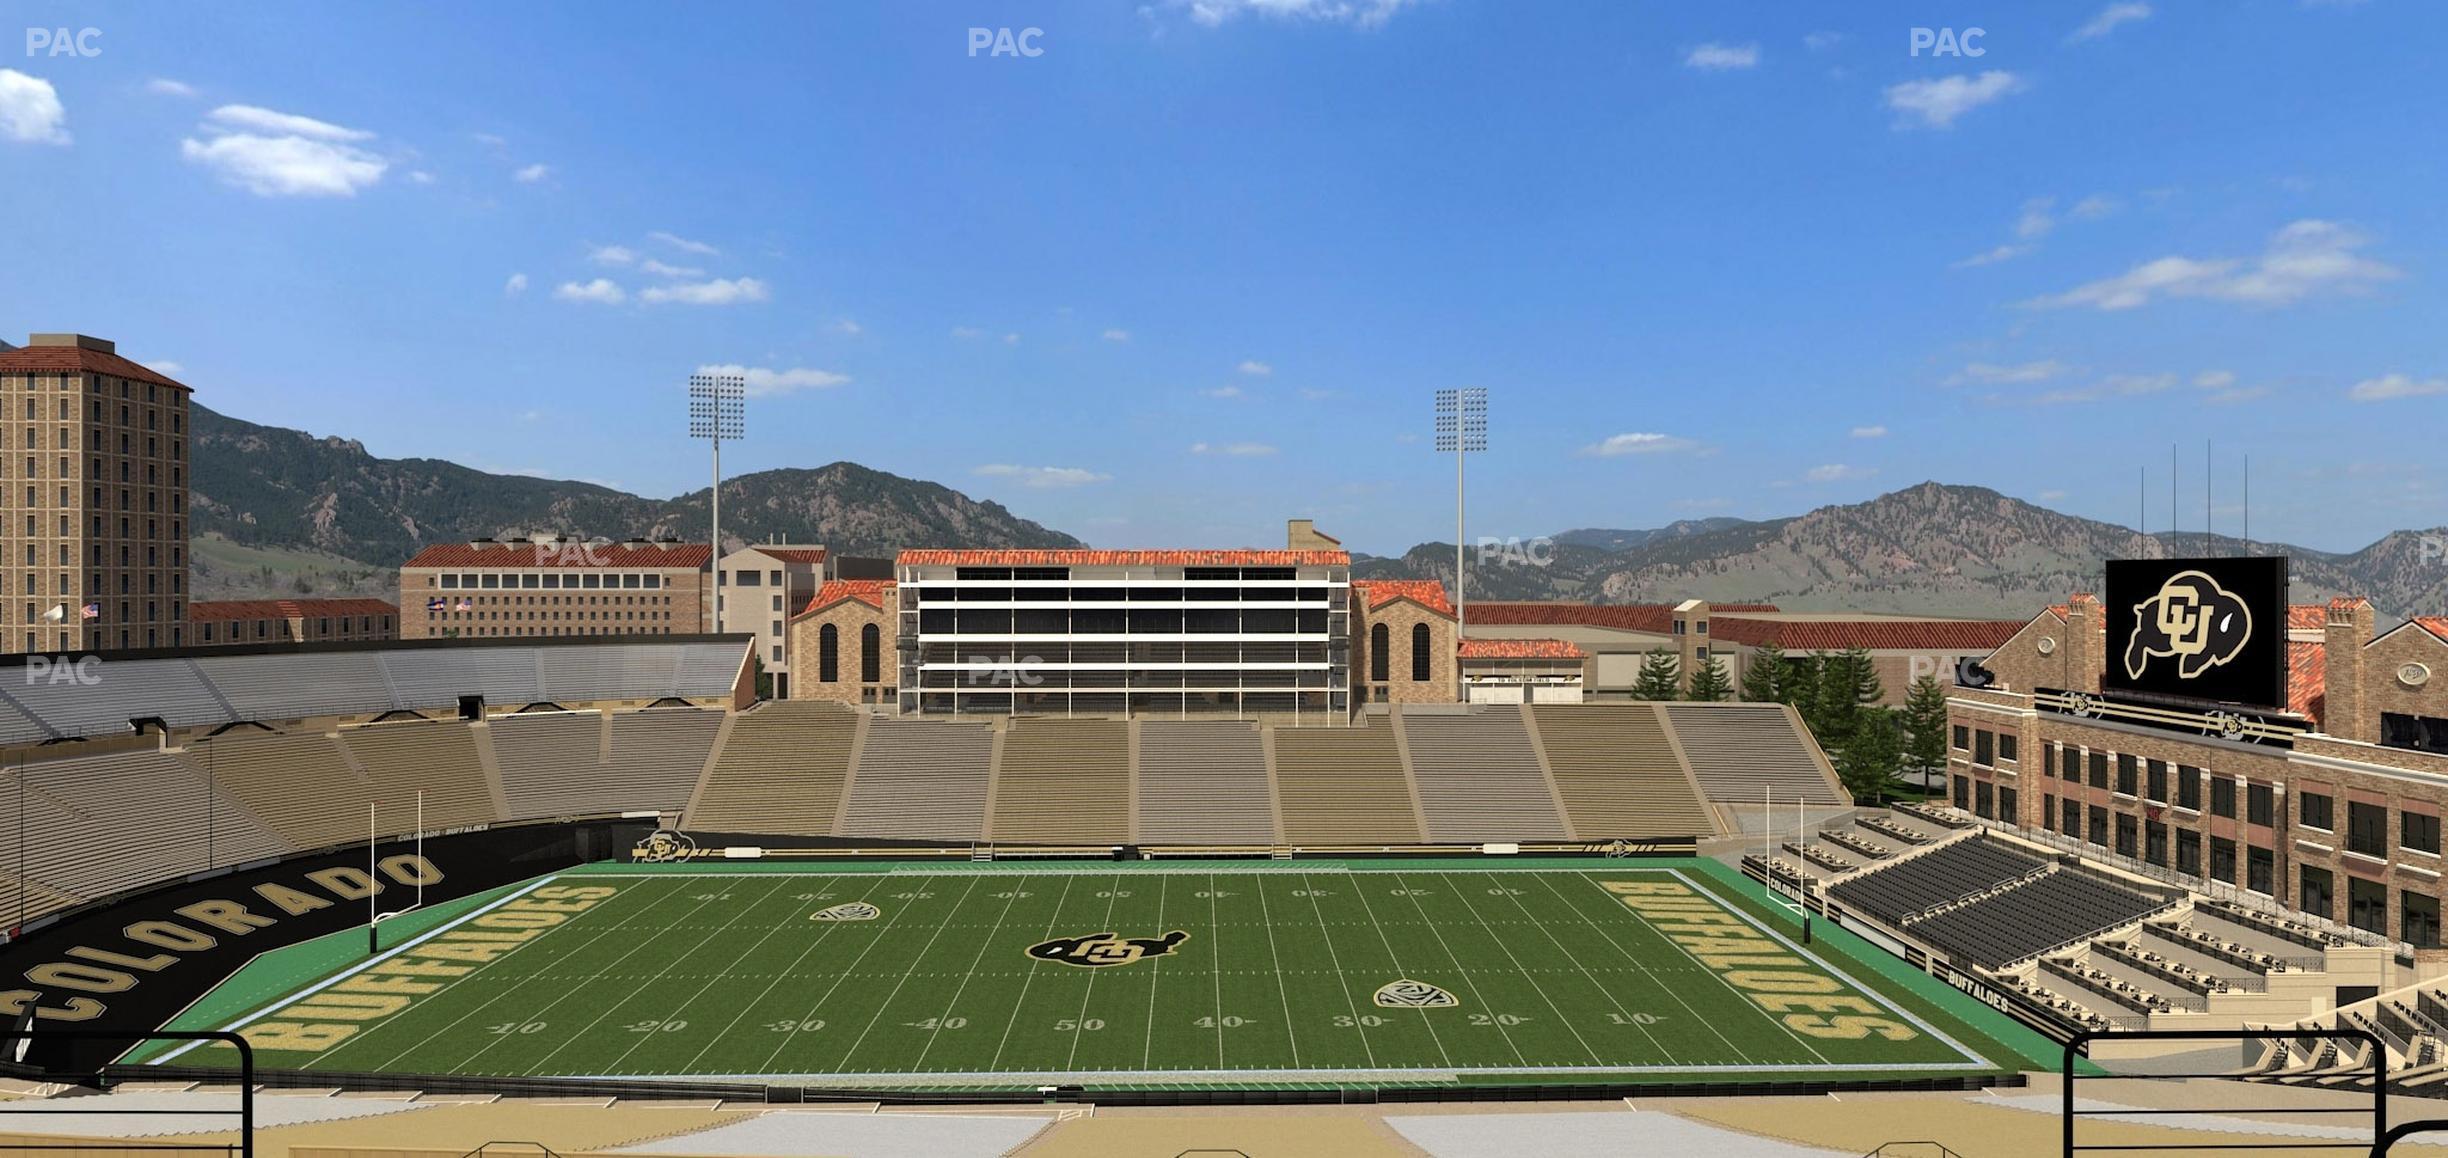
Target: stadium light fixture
(718, 413)
(1461, 429)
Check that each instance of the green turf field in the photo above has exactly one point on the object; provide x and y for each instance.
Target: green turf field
(1113, 975)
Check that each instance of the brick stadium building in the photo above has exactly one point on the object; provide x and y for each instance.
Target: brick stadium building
(2342, 822)
(553, 586)
(222, 623)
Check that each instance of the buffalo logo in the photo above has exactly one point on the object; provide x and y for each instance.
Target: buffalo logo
(847, 911)
(1097, 950)
(664, 847)
(2193, 620)
(1408, 994)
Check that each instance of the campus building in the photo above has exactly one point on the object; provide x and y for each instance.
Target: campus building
(2331, 805)
(755, 591)
(552, 585)
(93, 499)
(228, 622)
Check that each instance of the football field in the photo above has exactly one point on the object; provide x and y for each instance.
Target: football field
(1109, 975)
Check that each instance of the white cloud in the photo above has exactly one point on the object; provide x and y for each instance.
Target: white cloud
(1011, 339)
(1117, 335)
(1991, 374)
(718, 292)
(1044, 477)
(1638, 443)
(1359, 13)
(531, 174)
(2214, 379)
(1838, 472)
(601, 291)
(2108, 18)
(655, 268)
(1935, 104)
(286, 166)
(1822, 41)
(251, 119)
(763, 382)
(166, 366)
(164, 86)
(2394, 386)
(30, 110)
(1993, 256)
(516, 285)
(968, 333)
(420, 177)
(491, 140)
(612, 255)
(2036, 221)
(2094, 207)
(1722, 57)
(1255, 368)
(2112, 386)
(1233, 449)
(1869, 432)
(2051, 496)
(2305, 259)
(683, 244)
(847, 328)
(1222, 392)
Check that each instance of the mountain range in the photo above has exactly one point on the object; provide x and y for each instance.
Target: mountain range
(281, 513)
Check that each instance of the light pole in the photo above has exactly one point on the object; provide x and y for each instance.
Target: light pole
(1461, 427)
(718, 414)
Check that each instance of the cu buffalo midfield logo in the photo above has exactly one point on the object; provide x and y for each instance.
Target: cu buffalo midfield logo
(664, 847)
(1097, 950)
(1407, 994)
(2193, 620)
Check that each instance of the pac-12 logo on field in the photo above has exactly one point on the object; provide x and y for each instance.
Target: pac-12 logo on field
(1408, 994)
(847, 911)
(1097, 950)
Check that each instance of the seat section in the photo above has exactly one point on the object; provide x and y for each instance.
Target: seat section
(1203, 782)
(1479, 777)
(552, 764)
(781, 771)
(435, 757)
(921, 780)
(1063, 782)
(264, 772)
(1344, 785)
(1738, 750)
(656, 756)
(1618, 774)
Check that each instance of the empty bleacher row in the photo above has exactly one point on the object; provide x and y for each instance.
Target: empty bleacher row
(1204, 783)
(2047, 912)
(1911, 885)
(208, 691)
(1479, 777)
(1738, 750)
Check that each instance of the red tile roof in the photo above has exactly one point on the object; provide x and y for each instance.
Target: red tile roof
(221, 609)
(1089, 558)
(2307, 616)
(2435, 624)
(1521, 649)
(2307, 679)
(1428, 593)
(78, 359)
(498, 556)
(871, 592)
(1655, 618)
(810, 555)
(1965, 635)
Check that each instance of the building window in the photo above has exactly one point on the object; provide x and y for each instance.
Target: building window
(2222, 798)
(2127, 835)
(1984, 805)
(2222, 859)
(1984, 747)
(828, 654)
(2421, 733)
(1380, 662)
(2421, 832)
(2188, 787)
(2048, 760)
(2367, 904)
(2260, 870)
(2129, 775)
(2099, 769)
(1963, 793)
(2006, 806)
(2188, 853)
(2316, 810)
(2048, 813)
(2099, 826)
(2367, 828)
(871, 654)
(1420, 657)
(2154, 843)
(2072, 811)
(2154, 781)
(2418, 920)
(2315, 892)
(1963, 737)
(2073, 765)
(2260, 805)
(2006, 747)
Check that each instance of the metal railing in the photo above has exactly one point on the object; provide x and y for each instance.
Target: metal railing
(101, 1077)
(2376, 1058)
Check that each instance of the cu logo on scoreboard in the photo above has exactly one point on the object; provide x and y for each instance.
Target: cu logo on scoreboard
(2192, 620)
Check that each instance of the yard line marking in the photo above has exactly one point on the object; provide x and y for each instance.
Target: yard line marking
(750, 1005)
(1112, 893)
(1439, 933)
(1052, 923)
(1741, 997)
(923, 950)
(890, 923)
(1396, 958)
(1147, 1049)
(711, 981)
(610, 1007)
(1541, 990)
(1344, 979)
(1011, 897)
(1635, 960)
(1514, 895)
(1215, 934)
(1266, 917)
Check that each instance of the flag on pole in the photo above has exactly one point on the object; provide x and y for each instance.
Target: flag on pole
(92, 611)
(437, 603)
(58, 612)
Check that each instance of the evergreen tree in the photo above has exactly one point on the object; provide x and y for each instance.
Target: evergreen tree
(1661, 677)
(1869, 756)
(1925, 725)
(1760, 677)
(1798, 685)
(1710, 684)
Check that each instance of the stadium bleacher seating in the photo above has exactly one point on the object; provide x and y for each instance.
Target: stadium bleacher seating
(550, 763)
(1737, 750)
(2055, 909)
(1479, 778)
(263, 771)
(284, 687)
(1909, 885)
(1344, 785)
(1203, 783)
(1617, 773)
(921, 780)
(781, 771)
(656, 756)
(105, 823)
(436, 757)
(1063, 782)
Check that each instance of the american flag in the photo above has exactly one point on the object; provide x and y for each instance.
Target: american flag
(92, 611)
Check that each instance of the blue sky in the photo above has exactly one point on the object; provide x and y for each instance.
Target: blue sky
(1197, 267)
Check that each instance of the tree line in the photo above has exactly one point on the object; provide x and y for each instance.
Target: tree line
(1837, 695)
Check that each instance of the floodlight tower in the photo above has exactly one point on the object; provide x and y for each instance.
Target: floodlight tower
(1461, 427)
(718, 413)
